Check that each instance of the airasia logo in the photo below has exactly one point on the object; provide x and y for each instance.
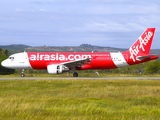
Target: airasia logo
(57, 56)
(142, 43)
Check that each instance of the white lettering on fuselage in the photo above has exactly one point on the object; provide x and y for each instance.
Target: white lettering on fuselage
(143, 42)
(57, 56)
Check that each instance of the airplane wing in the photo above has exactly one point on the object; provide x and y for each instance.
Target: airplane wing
(144, 57)
(77, 63)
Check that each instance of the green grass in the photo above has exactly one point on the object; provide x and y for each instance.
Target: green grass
(80, 99)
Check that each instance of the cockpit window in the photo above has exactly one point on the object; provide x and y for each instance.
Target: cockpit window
(11, 58)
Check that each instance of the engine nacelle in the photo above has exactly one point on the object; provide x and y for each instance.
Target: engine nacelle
(56, 69)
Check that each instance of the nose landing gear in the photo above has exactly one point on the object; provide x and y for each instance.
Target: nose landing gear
(22, 75)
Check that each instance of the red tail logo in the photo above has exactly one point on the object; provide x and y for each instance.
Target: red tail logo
(142, 45)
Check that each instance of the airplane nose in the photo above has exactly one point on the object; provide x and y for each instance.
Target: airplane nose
(3, 63)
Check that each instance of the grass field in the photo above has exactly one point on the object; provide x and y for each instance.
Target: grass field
(80, 75)
(80, 99)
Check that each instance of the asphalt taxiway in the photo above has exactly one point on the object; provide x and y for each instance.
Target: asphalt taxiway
(79, 78)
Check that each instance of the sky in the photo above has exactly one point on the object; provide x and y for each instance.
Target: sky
(107, 23)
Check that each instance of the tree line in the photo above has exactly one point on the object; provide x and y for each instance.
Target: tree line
(151, 67)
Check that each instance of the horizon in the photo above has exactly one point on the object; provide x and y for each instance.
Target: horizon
(70, 46)
(59, 46)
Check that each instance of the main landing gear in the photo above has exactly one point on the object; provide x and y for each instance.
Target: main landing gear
(75, 74)
(22, 75)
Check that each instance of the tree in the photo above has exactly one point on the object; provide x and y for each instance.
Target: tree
(153, 66)
(1, 51)
(6, 52)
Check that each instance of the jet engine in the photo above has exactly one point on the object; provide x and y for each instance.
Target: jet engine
(57, 69)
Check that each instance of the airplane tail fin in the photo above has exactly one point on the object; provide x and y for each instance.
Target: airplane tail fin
(142, 46)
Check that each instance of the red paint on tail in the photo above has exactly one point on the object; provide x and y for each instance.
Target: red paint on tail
(141, 47)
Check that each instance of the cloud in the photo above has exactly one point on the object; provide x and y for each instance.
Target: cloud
(42, 10)
(19, 10)
(42, 2)
(74, 22)
(29, 10)
(123, 9)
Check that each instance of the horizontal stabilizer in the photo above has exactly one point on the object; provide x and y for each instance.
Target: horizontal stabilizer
(144, 57)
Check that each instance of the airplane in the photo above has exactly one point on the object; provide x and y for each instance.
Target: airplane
(59, 62)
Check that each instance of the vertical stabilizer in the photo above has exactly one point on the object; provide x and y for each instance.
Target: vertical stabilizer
(142, 46)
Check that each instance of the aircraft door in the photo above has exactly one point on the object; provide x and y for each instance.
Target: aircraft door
(22, 61)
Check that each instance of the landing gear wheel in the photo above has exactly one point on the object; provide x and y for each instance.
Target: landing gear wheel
(22, 75)
(75, 74)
